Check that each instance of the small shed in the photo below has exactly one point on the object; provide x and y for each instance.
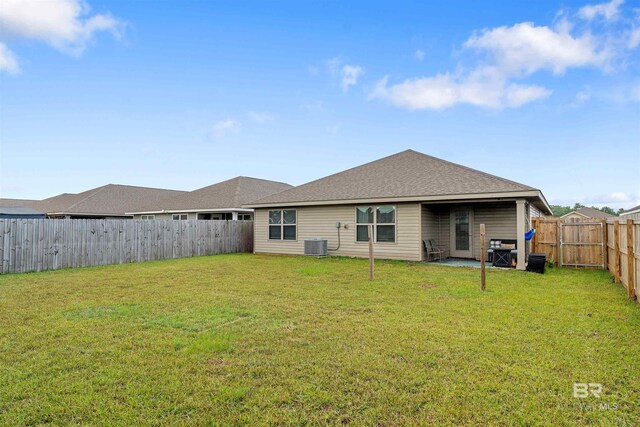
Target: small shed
(20, 212)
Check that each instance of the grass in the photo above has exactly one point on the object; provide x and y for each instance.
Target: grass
(263, 340)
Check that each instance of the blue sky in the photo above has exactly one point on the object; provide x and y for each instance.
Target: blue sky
(185, 94)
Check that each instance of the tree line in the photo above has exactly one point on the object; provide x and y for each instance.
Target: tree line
(559, 210)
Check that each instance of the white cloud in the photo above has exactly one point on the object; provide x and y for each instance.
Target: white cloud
(347, 74)
(517, 95)
(63, 24)
(500, 58)
(614, 199)
(350, 76)
(444, 91)
(634, 38)
(260, 117)
(581, 98)
(608, 11)
(314, 107)
(524, 48)
(419, 54)
(224, 127)
(8, 61)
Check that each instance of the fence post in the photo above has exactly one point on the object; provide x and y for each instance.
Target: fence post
(370, 230)
(605, 245)
(534, 240)
(616, 251)
(483, 255)
(631, 275)
(558, 248)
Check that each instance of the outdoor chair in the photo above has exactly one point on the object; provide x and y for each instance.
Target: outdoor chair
(432, 250)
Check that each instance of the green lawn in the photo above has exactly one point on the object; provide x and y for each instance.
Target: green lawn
(262, 340)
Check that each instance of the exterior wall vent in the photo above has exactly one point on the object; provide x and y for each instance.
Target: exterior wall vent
(315, 247)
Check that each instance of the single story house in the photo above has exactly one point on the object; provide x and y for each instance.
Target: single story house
(633, 213)
(20, 212)
(408, 197)
(221, 201)
(585, 215)
(110, 201)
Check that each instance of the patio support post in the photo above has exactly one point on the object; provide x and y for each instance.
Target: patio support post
(520, 225)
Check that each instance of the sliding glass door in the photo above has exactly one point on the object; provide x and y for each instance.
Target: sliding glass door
(462, 233)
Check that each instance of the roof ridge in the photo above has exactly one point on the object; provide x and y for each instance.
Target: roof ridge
(141, 186)
(339, 173)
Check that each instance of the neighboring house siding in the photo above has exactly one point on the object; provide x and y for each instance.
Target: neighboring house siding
(499, 220)
(575, 217)
(168, 216)
(319, 222)
(624, 217)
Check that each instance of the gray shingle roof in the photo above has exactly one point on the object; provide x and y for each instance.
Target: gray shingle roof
(405, 174)
(229, 194)
(18, 202)
(108, 199)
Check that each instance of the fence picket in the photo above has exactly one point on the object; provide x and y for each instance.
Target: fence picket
(51, 244)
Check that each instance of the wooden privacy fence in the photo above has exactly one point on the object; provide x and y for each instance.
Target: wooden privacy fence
(51, 244)
(612, 245)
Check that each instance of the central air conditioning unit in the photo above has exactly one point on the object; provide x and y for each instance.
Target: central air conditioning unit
(315, 247)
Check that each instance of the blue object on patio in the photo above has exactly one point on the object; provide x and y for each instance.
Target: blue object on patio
(529, 234)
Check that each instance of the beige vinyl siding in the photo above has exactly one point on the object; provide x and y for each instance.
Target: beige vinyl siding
(500, 223)
(435, 226)
(320, 221)
(534, 212)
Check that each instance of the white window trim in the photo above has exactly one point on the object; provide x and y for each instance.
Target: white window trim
(146, 217)
(179, 217)
(374, 224)
(282, 224)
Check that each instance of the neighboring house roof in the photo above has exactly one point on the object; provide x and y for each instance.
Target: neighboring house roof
(590, 213)
(230, 194)
(18, 211)
(111, 199)
(18, 202)
(405, 175)
(633, 210)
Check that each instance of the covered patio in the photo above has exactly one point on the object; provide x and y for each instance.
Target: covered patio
(453, 228)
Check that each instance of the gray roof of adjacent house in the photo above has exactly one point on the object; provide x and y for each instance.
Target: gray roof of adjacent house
(18, 202)
(111, 199)
(230, 194)
(405, 175)
(19, 212)
(590, 213)
(634, 209)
